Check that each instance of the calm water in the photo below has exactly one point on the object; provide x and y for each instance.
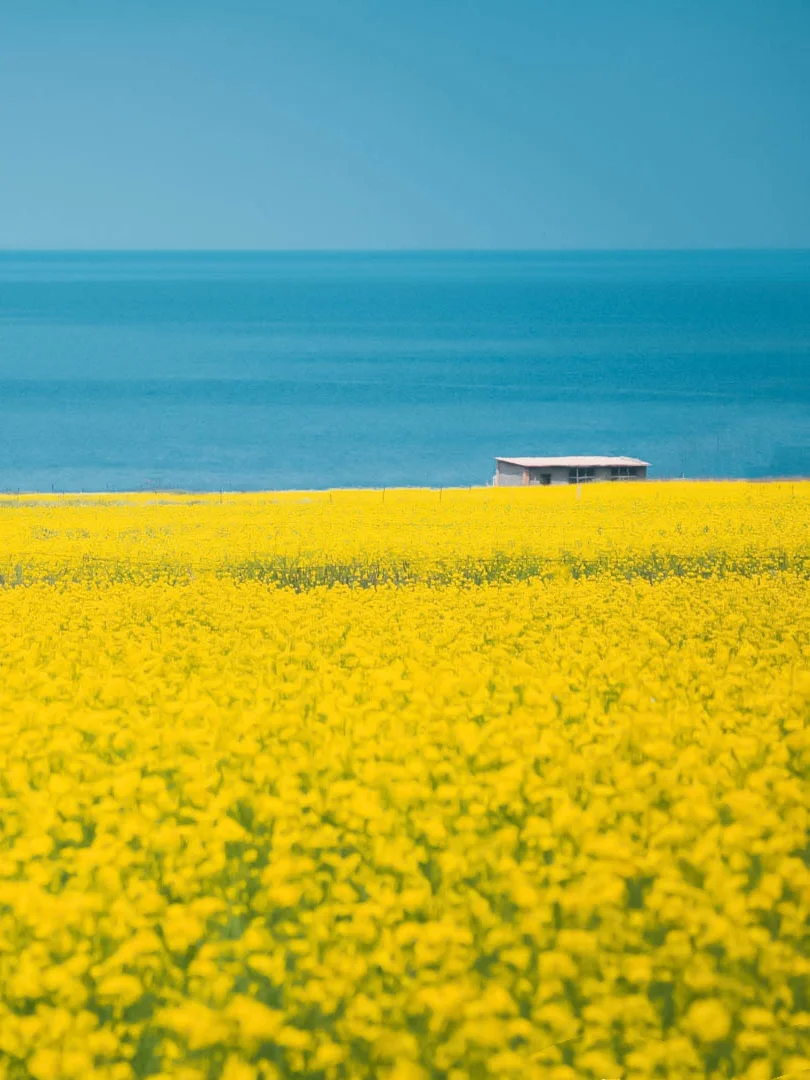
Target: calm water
(309, 371)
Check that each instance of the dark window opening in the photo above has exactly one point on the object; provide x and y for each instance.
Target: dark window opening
(537, 476)
(580, 476)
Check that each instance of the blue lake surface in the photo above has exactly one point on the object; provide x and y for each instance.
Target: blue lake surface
(252, 371)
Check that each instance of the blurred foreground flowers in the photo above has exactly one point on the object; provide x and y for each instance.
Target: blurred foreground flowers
(492, 784)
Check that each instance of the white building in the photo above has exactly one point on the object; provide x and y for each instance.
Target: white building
(522, 471)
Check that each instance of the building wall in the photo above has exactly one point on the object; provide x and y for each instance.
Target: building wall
(507, 475)
(600, 472)
(559, 475)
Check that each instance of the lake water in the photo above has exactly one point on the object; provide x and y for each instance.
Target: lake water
(250, 371)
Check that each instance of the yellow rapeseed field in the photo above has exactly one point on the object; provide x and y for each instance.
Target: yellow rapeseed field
(410, 784)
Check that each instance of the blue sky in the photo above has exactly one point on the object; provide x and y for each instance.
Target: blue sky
(410, 124)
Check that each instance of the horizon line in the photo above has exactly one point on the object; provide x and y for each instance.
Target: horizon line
(602, 250)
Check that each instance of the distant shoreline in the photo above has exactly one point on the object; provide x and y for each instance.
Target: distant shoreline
(216, 493)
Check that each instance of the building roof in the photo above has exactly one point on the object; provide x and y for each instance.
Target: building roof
(570, 462)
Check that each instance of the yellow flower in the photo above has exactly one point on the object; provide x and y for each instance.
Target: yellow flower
(255, 1020)
(198, 1025)
(709, 1020)
(406, 1070)
(329, 1053)
(45, 1064)
(119, 989)
(237, 1069)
